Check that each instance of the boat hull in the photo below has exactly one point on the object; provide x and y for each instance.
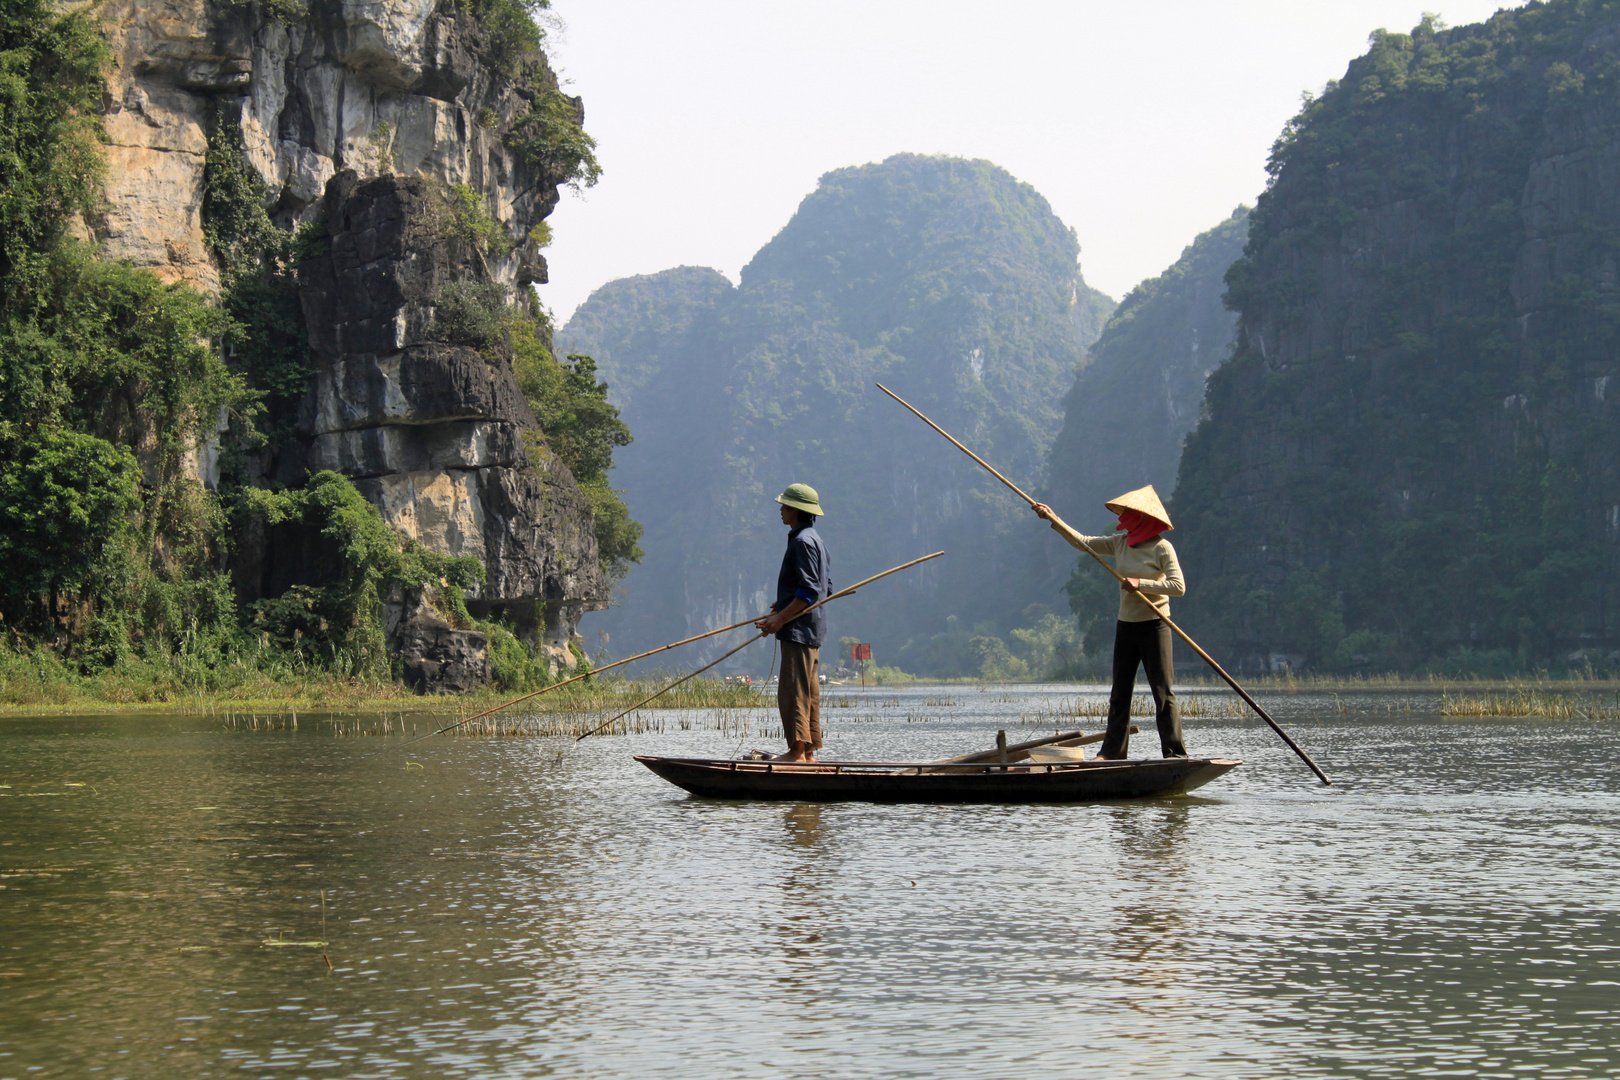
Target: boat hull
(927, 782)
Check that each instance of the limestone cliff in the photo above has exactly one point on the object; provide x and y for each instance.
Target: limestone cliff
(363, 114)
(1411, 455)
(378, 86)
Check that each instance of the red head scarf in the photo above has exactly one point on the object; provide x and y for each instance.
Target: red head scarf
(1138, 527)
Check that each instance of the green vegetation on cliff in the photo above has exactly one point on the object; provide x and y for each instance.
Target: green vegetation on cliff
(1140, 391)
(1411, 457)
(550, 135)
(582, 428)
(265, 339)
(334, 618)
(107, 380)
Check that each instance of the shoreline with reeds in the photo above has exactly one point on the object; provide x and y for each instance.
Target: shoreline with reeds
(1560, 698)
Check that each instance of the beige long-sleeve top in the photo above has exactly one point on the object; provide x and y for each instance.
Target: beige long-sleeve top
(1153, 562)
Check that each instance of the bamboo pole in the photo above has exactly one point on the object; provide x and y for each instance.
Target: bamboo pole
(833, 596)
(1179, 632)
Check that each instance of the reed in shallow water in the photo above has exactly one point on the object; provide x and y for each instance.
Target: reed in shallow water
(1530, 702)
(1047, 714)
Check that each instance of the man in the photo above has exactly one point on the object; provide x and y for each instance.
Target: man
(1148, 564)
(805, 579)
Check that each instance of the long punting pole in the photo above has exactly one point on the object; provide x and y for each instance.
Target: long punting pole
(834, 596)
(1179, 632)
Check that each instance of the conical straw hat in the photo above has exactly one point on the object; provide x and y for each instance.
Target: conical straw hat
(1144, 500)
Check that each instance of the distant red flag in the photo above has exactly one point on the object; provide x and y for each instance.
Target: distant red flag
(860, 652)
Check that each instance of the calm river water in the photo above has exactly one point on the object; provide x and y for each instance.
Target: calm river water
(522, 907)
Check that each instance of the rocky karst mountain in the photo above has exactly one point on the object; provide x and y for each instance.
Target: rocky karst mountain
(946, 279)
(1411, 455)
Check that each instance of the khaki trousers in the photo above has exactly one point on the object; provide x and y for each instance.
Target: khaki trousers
(798, 694)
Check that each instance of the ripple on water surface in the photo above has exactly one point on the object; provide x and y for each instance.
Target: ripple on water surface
(526, 907)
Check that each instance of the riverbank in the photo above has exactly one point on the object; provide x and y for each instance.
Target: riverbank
(249, 691)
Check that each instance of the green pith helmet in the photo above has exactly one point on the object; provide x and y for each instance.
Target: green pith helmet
(802, 497)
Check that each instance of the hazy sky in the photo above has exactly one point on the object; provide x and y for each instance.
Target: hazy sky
(1144, 122)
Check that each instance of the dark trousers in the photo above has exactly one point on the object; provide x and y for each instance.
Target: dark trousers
(1148, 644)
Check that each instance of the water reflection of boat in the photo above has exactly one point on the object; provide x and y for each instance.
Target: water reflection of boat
(937, 782)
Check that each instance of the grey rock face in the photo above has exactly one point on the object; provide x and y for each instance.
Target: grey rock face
(432, 432)
(947, 280)
(386, 86)
(439, 659)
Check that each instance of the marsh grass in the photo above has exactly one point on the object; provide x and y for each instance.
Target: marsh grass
(572, 710)
(1054, 713)
(728, 722)
(1285, 682)
(38, 680)
(1527, 701)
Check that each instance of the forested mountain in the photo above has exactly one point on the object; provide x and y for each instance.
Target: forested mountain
(1139, 395)
(636, 326)
(944, 278)
(1411, 456)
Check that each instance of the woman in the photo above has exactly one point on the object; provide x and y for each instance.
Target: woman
(1152, 575)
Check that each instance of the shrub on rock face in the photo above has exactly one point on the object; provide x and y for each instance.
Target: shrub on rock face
(101, 362)
(50, 135)
(551, 139)
(471, 313)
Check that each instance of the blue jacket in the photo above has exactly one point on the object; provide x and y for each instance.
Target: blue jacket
(807, 574)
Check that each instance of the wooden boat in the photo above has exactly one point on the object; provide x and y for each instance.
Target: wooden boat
(937, 782)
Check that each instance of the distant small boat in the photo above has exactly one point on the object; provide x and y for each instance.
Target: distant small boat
(937, 782)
